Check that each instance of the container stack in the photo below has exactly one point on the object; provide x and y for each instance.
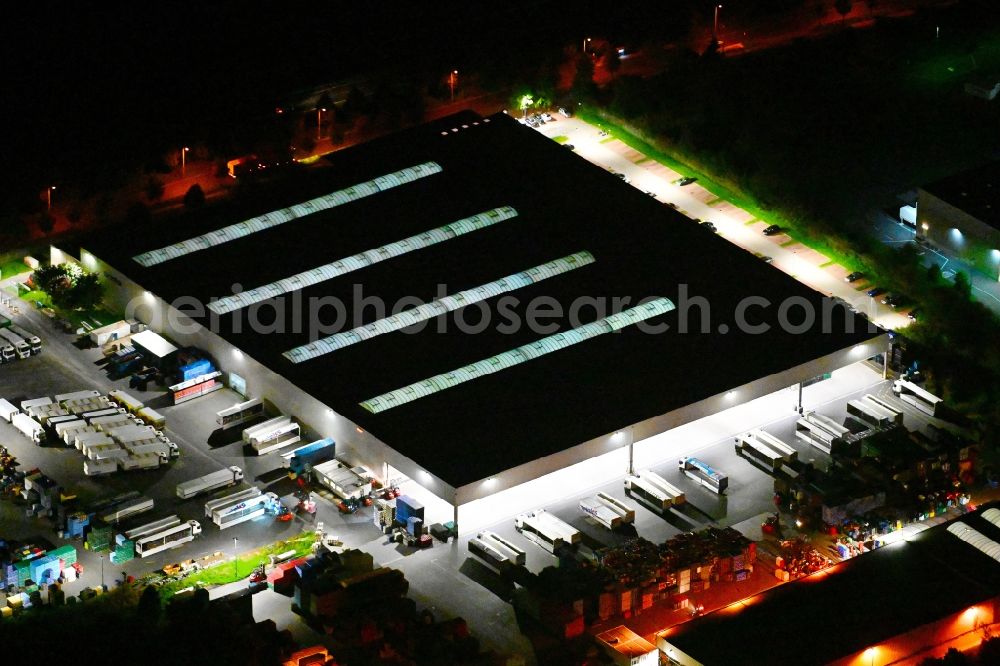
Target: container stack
(124, 550)
(99, 539)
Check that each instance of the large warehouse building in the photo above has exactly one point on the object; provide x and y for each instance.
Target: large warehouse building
(447, 224)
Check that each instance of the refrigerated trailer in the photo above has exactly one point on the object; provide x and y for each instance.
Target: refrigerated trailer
(34, 342)
(28, 427)
(546, 530)
(133, 434)
(106, 452)
(887, 406)
(77, 395)
(820, 431)
(870, 413)
(496, 552)
(239, 413)
(304, 458)
(703, 473)
(272, 435)
(765, 449)
(99, 467)
(139, 461)
(126, 509)
(7, 410)
(244, 510)
(34, 402)
(346, 482)
(204, 484)
(151, 528)
(21, 346)
(107, 411)
(66, 430)
(607, 510)
(914, 395)
(166, 538)
(230, 499)
(653, 490)
(152, 417)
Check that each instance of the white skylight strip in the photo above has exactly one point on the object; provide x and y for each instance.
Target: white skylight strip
(517, 356)
(362, 259)
(277, 217)
(438, 307)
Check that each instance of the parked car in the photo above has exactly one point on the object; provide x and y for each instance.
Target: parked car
(547, 117)
(708, 225)
(569, 146)
(772, 230)
(686, 180)
(602, 134)
(649, 194)
(622, 176)
(875, 291)
(854, 277)
(914, 314)
(672, 205)
(894, 300)
(565, 113)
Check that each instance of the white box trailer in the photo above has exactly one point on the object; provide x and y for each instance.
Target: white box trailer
(161, 449)
(84, 440)
(28, 404)
(230, 499)
(345, 482)
(151, 528)
(897, 413)
(152, 417)
(272, 435)
(28, 427)
(496, 552)
(244, 510)
(204, 484)
(110, 421)
(127, 509)
(139, 461)
(133, 434)
(64, 427)
(607, 510)
(100, 467)
(653, 490)
(106, 452)
(239, 413)
(820, 431)
(78, 436)
(546, 530)
(787, 453)
(166, 538)
(126, 400)
(21, 346)
(755, 448)
(909, 393)
(77, 395)
(34, 342)
(7, 410)
(107, 411)
(53, 421)
(105, 334)
(42, 413)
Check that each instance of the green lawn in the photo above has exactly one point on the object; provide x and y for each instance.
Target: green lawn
(226, 572)
(13, 267)
(560, 139)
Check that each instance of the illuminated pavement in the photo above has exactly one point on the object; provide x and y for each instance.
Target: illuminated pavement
(731, 222)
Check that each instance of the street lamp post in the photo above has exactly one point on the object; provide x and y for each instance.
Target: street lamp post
(585, 42)
(102, 571)
(715, 24)
(319, 123)
(184, 152)
(451, 82)
(48, 195)
(236, 559)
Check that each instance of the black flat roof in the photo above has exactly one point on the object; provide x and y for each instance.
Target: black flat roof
(642, 249)
(858, 603)
(975, 191)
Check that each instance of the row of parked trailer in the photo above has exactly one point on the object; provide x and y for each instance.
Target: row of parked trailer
(15, 342)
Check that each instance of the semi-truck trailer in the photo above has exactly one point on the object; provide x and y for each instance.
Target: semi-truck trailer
(133, 434)
(496, 552)
(272, 435)
(124, 510)
(703, 473)
(139, 461)
(126, 400)
(546, 530)
(304, 458)
(34, 402)
(230, 499)
(653, 490)
(347, 483)
(34, 342)
(239, 413)
(100, 467)
(21, 348)
(607, 510)
(205, 484)
(166, 538)
(28, 427)
(7, 410)
(77, 395)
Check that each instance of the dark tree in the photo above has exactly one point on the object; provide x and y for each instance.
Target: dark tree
(963, 285)
(86, 292)
(149, 608)
(583, 80)
(52, 279)
(843, 8)
(195, 197)
(46, 223)
(613, 61)
(154, 188)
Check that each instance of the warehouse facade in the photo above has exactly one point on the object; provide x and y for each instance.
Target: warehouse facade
(445, 219)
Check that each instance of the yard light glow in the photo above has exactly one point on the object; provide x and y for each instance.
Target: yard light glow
(237, 354)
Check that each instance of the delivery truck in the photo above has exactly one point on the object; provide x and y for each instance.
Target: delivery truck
(210, 482)
(227, 515)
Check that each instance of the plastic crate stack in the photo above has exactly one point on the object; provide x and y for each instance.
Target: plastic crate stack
(99, 539)
(124, 550)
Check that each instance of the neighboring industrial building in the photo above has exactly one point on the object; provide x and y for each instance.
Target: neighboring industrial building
(961, 214)
(899, 604)
(493, 211)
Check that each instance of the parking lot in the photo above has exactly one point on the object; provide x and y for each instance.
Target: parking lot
(443, 578)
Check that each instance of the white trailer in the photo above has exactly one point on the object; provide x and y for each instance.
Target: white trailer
(28, 404)
(126, 400)
(116, 331)
(151, 528)
(65, 430)
(28, 427)
(7, 410)
(53, 421)
(77, 395)
(110, 421)
(139, 461)
(239, 413)
(21, 346)
(272, 435)
(653, 490)
(496, 552)
(85, 440)
(230, 499)
(233, 514)
(161, 449)
(787, 453)
(204, 484)
(820, 431)
(34, 342)
(78, 436)
(107, 411)
(749, 446)
(909, 393)
(607, 510)
(546, 530)
(133, 434)
(167, 538)
(100, 467)
(124, 510)
(897, 413)
(347, 483)
(106, 452)
(152, 417)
